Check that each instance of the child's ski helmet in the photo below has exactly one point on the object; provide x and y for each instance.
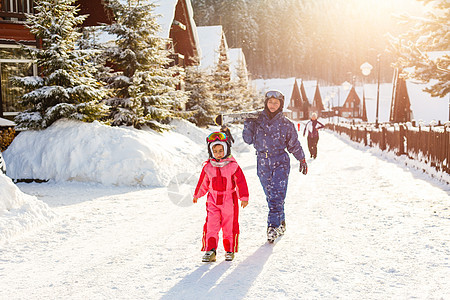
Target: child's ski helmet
(218, 138)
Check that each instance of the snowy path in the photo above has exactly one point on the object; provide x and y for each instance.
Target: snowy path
(358, 227)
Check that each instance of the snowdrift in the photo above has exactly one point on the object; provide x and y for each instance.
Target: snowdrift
(92, 152)
(19, 212)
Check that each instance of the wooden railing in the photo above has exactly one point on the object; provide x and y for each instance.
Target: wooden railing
(430, 145)
(15, 10)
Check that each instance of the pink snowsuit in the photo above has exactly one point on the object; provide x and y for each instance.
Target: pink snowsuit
(224, 182)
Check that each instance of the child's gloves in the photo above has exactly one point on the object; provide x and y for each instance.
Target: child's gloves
(303, 167)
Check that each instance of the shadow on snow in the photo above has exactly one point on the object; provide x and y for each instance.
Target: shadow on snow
(203, 282)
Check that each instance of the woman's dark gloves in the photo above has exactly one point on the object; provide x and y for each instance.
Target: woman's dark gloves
(303, 167)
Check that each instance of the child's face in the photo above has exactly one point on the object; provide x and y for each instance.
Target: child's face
(218, 151)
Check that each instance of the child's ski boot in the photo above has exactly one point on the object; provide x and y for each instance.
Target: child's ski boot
(272, 234)
(229, 256)
(209, 256)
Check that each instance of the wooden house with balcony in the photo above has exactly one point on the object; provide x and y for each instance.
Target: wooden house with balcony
(176, 21)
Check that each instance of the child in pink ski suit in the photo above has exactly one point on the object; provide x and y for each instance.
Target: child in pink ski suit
(225, 183)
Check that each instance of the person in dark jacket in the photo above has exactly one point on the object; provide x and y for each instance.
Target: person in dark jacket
(271, 134)
(312, 127)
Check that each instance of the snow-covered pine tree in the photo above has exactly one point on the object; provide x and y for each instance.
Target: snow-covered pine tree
(240, 91)
(221, 83)
(256, 98)
(65, 87)
(89, 41)
(201, 103)
(428, 34)
(144, 85)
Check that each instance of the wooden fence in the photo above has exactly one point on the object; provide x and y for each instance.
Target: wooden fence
(430, 145)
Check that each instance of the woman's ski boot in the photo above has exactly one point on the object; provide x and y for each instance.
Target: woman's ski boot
(209, 256)
(282, 228)
(272, 234)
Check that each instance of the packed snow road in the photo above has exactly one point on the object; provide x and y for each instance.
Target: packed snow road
(358, 227)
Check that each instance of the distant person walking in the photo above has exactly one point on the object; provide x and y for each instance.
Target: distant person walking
(312, 127)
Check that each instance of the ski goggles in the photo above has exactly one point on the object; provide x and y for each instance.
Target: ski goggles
(216, 136)
(275, 94)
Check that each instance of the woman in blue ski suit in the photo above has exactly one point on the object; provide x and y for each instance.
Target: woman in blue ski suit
(271, 133)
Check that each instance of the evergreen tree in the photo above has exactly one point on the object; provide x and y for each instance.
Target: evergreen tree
(145, 85)
(325, 39)
(413, 48)
(201, 103)
(240, 92)
(65, 87)
(222, 85)
(90, 42)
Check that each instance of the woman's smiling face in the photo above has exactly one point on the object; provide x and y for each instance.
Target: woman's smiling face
(273, 104)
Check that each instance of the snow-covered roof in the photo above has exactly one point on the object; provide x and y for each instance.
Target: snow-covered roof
(194, 26)
(210, 38)
(237, 59)
(6, 123)
(165, 11)
(310, 88)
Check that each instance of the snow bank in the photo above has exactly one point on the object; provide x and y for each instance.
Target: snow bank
(19, 212)
(92, 152)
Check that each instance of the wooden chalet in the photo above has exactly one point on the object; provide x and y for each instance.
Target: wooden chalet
(177, 24)
(317, 104)
(298, 103)
(352, 105)
(400, 111)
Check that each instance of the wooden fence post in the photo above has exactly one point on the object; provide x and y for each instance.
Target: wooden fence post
(365, 136)
(447, 148)
(401, 141)
(383, 138)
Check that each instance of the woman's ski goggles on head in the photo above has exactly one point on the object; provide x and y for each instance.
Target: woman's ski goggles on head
(275, 94)
(216, 136)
